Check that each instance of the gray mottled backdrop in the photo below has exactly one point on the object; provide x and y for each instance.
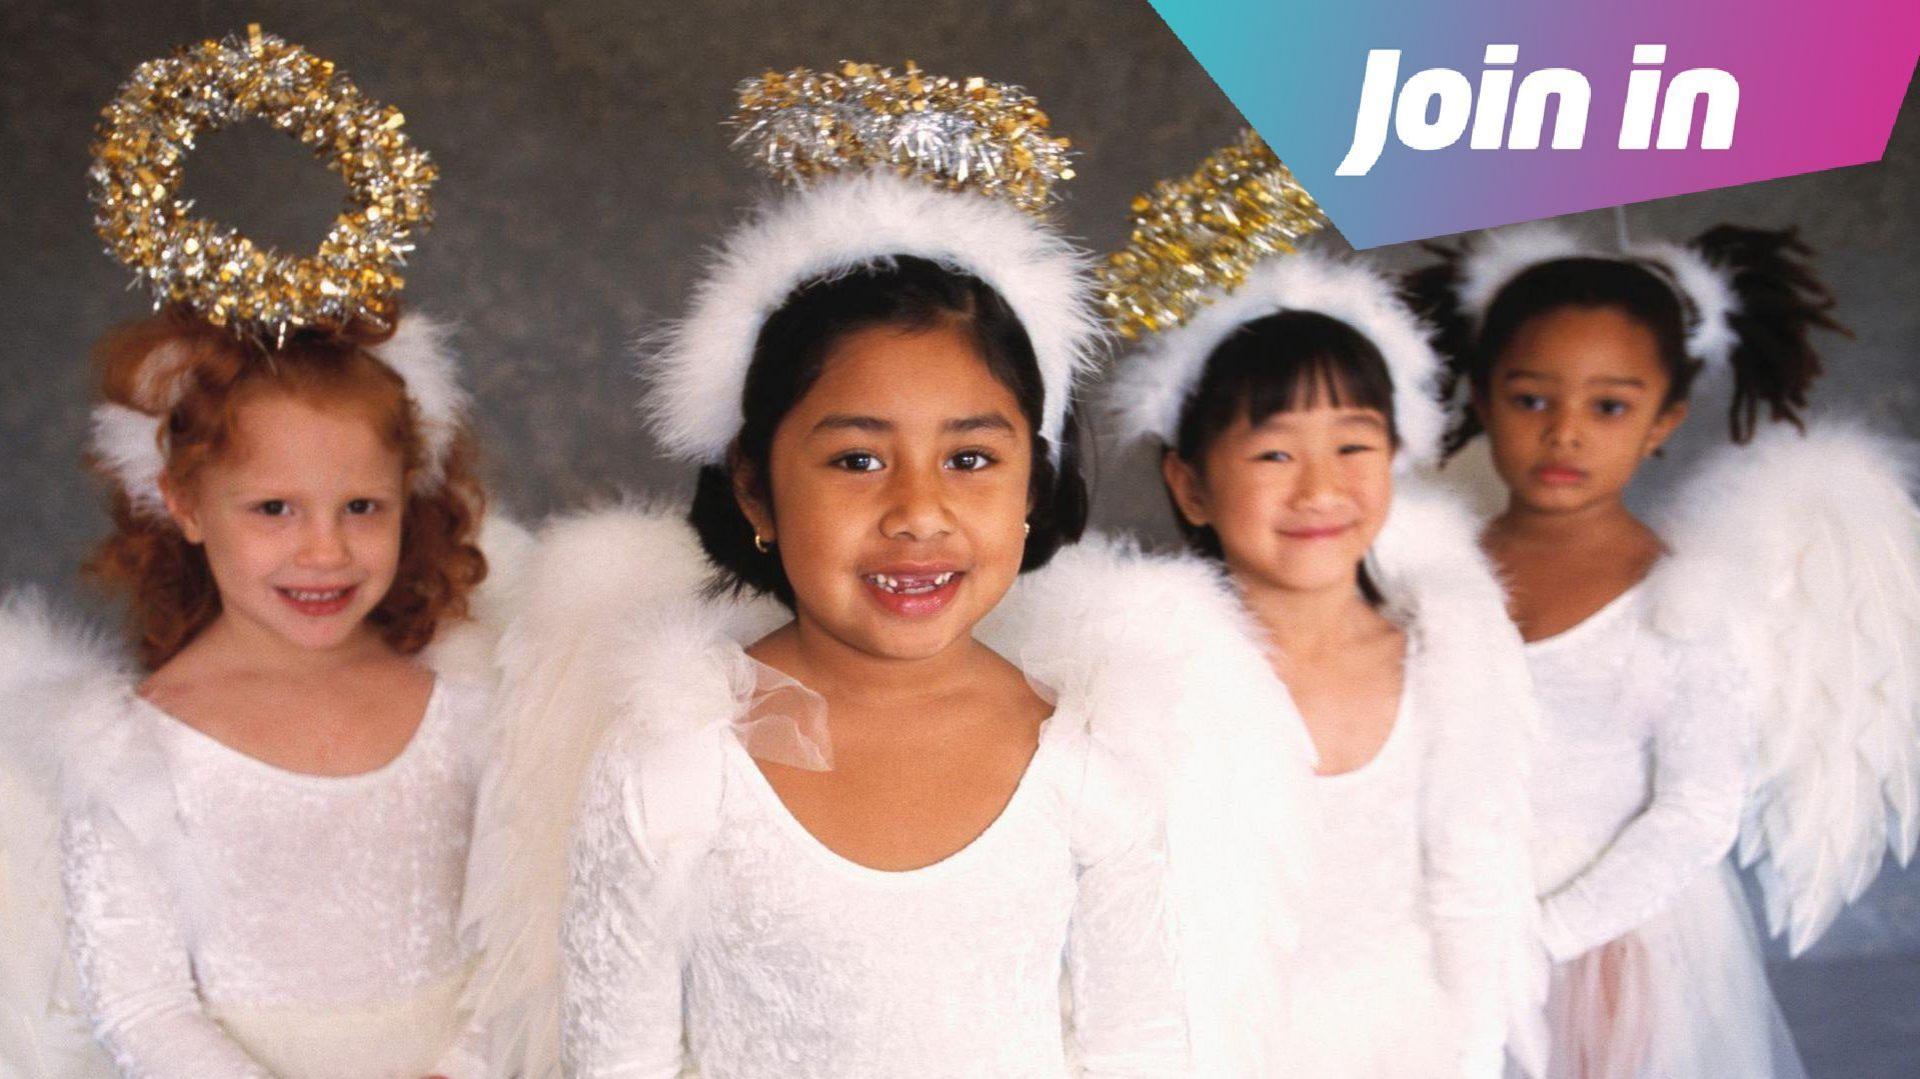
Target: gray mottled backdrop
(584, 170)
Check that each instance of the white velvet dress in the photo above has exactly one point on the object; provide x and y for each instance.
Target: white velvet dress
(760, 952)
(1638, 788)
(230, 919)
(1401, 968)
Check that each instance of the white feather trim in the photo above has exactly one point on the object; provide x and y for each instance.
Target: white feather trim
(1804, 552)
(1178, 686)
(696, 377)
(55, 674)
(465, 651)
(421, 353)
(52, 673)
(126, 441)
(1473, 674)
(588, 570)
(1151, 389)
(566, 665)
(1709, 292)
(1498, 256)
(38, 646)
(1430, 548)
(1431, 569)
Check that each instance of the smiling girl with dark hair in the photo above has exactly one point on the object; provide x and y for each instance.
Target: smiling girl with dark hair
(848, 804)
(1290, 396)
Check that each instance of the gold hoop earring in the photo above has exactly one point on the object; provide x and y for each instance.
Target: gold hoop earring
(764, 546)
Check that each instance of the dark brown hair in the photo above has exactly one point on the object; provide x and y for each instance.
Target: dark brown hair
(791, 351)
(1780, 302)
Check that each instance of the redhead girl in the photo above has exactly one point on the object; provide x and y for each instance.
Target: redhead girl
(265, 812)
(293, 526)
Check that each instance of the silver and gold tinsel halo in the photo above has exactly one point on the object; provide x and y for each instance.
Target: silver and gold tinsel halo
(151, 125)
(879, 166)
(1195, 238)
(961, 134)
(1218, 249)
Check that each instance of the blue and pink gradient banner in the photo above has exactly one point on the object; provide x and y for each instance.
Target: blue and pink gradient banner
(1819, 86)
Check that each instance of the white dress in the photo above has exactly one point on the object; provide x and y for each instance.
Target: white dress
(744, 946)
(1156, 678)
(230, 919)
(1402, 957)
(1638, 788)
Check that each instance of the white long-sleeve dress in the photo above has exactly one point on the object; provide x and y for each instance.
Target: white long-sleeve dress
(1148, 662)
(1406, 925)
(231, 919)
(194, 862)
(1418, 951)
(1638, 790)
(1758, 687)
(761, 952)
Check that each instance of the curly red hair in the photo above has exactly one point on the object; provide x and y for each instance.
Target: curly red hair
(169, 587)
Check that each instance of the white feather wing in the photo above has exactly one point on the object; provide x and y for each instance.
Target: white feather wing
(1805, 549)
(49, 670)
(465, 651)
(561, 690)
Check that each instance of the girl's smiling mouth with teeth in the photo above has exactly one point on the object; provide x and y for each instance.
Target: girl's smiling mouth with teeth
(913, 594)
(910, 584)
(319, 602)
(313, 595)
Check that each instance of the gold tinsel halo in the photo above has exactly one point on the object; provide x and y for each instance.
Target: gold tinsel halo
(962, 134)
(149, 128)
(1196, 237)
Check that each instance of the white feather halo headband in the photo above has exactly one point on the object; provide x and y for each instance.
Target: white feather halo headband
(127, 442)
(1215, 250)
(1152, 387)
(1495, 258)
(958, 179)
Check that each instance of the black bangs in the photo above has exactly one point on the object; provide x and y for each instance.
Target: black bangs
(1284, 362)
(791, 351)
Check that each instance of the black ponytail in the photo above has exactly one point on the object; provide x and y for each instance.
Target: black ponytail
(1781, 303)
(1433, 293)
